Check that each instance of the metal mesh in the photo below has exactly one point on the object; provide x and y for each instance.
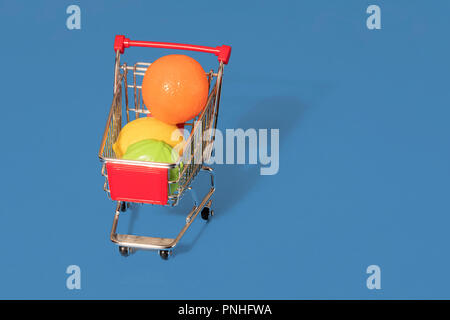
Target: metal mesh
(113, 126)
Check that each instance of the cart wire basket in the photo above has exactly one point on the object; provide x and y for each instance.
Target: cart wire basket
(128, 181)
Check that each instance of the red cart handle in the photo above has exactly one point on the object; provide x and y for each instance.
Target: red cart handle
(223, 52)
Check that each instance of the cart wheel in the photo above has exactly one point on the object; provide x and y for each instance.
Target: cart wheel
(205, 213)
(124, 206)
(124, 251)
(164, 254)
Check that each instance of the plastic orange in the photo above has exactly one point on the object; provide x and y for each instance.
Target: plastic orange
(175, 88)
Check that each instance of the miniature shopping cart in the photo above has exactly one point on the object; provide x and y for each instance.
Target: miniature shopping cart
(145, 182)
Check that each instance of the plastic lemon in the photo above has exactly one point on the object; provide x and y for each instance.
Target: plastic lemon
(155, 151)
(148, 128)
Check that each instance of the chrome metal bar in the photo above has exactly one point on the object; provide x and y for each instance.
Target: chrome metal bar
(211, 173)
(116, 70)
(155, 243)
(135, 89)
(194, 214)
(125, 85)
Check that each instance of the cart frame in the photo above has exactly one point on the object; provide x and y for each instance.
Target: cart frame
(197, 150)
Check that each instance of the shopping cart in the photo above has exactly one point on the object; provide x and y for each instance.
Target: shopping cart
(144, 182)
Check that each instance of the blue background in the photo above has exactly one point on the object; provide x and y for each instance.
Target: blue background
(364, 151)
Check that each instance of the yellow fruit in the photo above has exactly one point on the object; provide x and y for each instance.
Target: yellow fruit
(148, 128)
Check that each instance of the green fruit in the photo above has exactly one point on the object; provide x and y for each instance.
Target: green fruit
(155, 151)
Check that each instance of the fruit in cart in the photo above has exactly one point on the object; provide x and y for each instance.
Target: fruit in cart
(148, 128)
(151, 150)
(155, 151)
(175, 88)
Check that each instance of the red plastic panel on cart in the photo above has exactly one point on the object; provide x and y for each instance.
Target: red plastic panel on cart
(137, 183)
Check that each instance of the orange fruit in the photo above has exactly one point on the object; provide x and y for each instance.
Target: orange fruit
(175, 88)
